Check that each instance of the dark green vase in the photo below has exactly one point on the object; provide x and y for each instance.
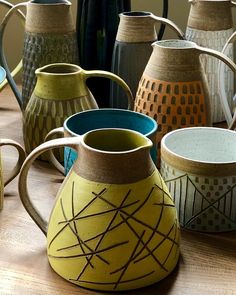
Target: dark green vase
(97, 23)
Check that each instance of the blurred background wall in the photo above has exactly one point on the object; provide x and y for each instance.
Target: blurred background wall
(178, 12)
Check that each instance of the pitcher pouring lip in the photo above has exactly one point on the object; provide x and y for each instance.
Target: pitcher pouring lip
(117, 141)
(124, 153)
(58, 69)
(175, 44)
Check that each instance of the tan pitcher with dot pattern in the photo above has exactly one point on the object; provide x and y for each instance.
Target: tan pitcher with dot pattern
(173, 89)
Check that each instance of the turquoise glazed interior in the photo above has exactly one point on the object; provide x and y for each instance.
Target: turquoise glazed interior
(83, 122)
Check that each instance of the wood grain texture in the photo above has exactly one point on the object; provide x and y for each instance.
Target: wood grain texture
(207, 264)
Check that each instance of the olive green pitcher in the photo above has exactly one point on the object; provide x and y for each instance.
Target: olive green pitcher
(60, 92)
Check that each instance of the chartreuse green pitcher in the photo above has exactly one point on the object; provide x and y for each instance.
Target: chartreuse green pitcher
(60, 92)
(114, 225)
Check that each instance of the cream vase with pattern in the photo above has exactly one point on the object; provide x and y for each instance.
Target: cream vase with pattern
(199, 167)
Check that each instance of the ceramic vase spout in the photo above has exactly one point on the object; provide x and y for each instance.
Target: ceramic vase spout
(62, 81)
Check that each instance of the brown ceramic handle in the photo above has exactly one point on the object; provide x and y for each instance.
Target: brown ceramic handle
(169, 23)
(22, 183)
(58, 132)
(115, 78)
(3, 58)
(224, 100)
(21, 158)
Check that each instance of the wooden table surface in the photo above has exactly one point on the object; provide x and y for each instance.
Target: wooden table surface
(207, 264)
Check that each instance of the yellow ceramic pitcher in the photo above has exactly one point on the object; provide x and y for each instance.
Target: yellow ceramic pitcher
(114, 225)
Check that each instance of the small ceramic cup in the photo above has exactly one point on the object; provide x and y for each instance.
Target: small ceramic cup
(80, 123)
(16, 169)
(199, 167)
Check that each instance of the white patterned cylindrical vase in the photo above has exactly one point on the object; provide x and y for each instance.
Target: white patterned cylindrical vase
(210, 25)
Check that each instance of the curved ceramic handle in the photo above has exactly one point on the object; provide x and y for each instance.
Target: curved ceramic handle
(19, 66)
(233, 3)
(169, 23)
(115, 78)
(224, 100)
(222, 57)
(16, 169)
(218, 55)
(2, 55)
(58, 132)
(22, 183)
(21, 158)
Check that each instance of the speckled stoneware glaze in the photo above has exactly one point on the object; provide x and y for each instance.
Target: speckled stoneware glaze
(199, 167)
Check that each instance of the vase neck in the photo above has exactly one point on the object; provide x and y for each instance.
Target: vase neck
(210, 15)
(60, 81)
(136, 27)
(170, 63)
(49, 18)
(112, 157)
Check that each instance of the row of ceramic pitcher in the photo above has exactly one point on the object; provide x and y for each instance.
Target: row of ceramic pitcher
(114, 225)
(169, 81)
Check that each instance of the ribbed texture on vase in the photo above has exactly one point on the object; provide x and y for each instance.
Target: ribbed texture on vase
(43, 49)
(215, 40)
(127, 64)
(41, 116)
